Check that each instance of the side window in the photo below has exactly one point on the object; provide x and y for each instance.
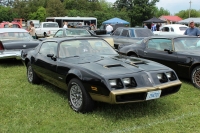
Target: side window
(16, 26)
(117, 32)
(59, 33)
(48, 48)
(160, 44)
(172, 29)
(165, 29)
(124, 33)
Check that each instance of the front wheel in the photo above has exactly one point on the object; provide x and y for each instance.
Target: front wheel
(195, 77)
(31, 75)
(78, 98)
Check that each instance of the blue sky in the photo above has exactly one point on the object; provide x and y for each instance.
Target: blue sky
(174, 6)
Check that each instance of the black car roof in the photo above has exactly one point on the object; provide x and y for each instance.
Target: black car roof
(171, 36)
(131, 28)
(71, 38)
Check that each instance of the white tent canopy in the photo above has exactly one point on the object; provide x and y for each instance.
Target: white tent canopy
(186, 21)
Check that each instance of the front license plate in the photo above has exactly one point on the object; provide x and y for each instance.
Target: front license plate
(153, 95)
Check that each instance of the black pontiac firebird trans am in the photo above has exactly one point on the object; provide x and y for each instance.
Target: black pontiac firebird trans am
(91, 70)
(181, 53)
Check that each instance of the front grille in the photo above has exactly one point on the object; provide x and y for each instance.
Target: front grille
(131, 97)
(170, 90)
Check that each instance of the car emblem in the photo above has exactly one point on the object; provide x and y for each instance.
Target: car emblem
(24, 46)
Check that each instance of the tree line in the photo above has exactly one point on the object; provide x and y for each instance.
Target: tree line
(133, 11)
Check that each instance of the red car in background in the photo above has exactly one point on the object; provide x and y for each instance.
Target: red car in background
(15, 25)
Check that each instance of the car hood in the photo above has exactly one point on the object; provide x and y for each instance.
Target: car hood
(115, 65)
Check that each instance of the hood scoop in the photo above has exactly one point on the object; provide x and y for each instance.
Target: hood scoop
(113, 65)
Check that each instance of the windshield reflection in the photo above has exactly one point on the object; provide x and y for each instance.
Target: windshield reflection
(85, 47)
(15, 36)
(187, 44)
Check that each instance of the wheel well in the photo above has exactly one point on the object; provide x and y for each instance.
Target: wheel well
(192, 67)
(26, 61)
(132, 53)
(69, 77)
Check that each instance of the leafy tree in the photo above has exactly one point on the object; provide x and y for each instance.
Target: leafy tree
(185, 13)
(55, 8)
(159, 12)
(40, 14)
(138, 10)
(7, 14)
(21, 8)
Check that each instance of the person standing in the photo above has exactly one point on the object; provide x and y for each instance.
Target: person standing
(192, 30)
(109, 29)
(158, 27)
(29, 27)
(145, 26)
(65, 25)
(32, 31)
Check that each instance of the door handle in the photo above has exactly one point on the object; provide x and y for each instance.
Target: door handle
(145, 52)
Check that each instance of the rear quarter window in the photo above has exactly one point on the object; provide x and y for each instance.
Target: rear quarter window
(182, 28)
(143, 32)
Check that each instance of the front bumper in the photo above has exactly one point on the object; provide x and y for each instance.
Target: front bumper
(10, 55)
(137, 94)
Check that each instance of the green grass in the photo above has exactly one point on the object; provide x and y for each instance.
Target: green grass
(44, 108)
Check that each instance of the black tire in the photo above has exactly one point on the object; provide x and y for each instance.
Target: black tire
(78, 98)
(31, 75)
(45, 34)
(195, 77)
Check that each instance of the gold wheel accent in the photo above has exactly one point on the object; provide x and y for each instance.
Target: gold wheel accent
(197, 77)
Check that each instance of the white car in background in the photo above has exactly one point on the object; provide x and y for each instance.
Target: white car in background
(171, 29)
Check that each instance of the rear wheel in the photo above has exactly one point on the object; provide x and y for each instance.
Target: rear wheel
(195, 77)
(78, 98)
(45, 34)
(31, 75)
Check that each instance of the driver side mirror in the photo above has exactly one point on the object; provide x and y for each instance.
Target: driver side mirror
(51, 56)
(169, 51)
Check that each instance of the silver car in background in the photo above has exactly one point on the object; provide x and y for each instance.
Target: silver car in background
(13, 40)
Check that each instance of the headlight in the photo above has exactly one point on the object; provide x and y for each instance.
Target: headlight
(159, 76)
(116, 83)
(127, 81)
(113, 82)
(162, 77)
(169, 75)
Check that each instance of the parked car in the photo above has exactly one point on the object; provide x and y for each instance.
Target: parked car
(181, 53)
(35, 22)
(13, 40)
(80, 32)
(124, 36)
(91, 70)
(172, 29)
(47, 29)
(14, 25)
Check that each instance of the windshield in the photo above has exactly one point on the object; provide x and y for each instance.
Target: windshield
(15, 36)
(83, 47)
(187, 44)
(77, 32)
(50, 25)
(13, 26)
